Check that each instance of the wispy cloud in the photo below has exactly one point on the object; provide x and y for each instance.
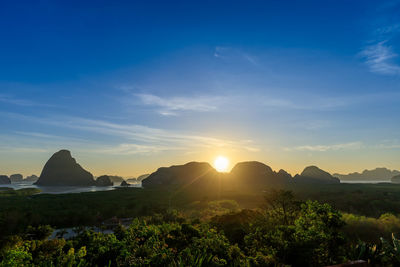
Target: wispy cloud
(316, 102)
(133, 149)
(389, 144)
(163, 139)
(323, 148)
(133, 138)
(229, 53)
(380, 54)
(173, 105)
(22, 149)
(16, 101)
(380, 58)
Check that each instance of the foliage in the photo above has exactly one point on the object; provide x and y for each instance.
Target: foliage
(313, 237)
(20, 192)
(371, 229)
(288, 229)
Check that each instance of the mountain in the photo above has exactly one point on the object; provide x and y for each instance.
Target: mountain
(256, 175)
(16, 178)
(104, 180)
(244, 176)
(4, 179)
(250, 175)
(125, 184)
(116, 179)
(63, 170)
(395, 179)
(378, 174)
(131, 180)
(142, 177)
(33, 178)
(178, 175)
(313, 174)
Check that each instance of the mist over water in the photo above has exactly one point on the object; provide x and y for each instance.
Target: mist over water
(63, 189)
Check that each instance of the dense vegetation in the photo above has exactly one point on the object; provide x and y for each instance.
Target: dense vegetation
(184, 229)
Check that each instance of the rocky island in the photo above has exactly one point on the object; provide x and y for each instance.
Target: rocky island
(63, 170)
(4, 179)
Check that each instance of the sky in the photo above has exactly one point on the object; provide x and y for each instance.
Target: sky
(129, 86)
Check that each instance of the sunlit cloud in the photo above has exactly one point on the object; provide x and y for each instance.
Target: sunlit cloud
(134, 139)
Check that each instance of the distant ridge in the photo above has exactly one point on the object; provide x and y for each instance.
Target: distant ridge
(377, 174)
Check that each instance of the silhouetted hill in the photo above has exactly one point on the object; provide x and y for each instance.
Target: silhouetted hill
(192, 172)
(142, 177)
(116, 179)
(4, 179)
(245, 176)
(254, 174)
(33, 178)
(124, 183)
(250, 175)
(313, 174)
(377, 174)
(104, 180)
(16, 178)
(62, 170)
(395, 179)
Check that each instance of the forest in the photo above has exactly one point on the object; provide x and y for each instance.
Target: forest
(315, 225)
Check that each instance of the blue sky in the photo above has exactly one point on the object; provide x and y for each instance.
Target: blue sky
(129, 86)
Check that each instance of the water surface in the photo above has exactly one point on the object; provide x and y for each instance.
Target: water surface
(63, 189)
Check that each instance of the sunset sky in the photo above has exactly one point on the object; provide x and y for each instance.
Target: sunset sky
(128, 87)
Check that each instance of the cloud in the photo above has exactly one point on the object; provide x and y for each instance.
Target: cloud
(324, 148)
(229, 53)
(310, 103)
(133, 149)
(132, 138)
(23, 149)
(16, 101)
(323, 103)
(169, 106)
(9, 99)
(380, 58)
(164, 139)
(389, 144)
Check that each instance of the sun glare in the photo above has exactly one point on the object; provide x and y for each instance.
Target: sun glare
(221, 164)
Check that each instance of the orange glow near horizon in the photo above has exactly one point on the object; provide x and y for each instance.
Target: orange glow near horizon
(221, 164)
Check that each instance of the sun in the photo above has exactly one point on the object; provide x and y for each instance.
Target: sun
(221, 164)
